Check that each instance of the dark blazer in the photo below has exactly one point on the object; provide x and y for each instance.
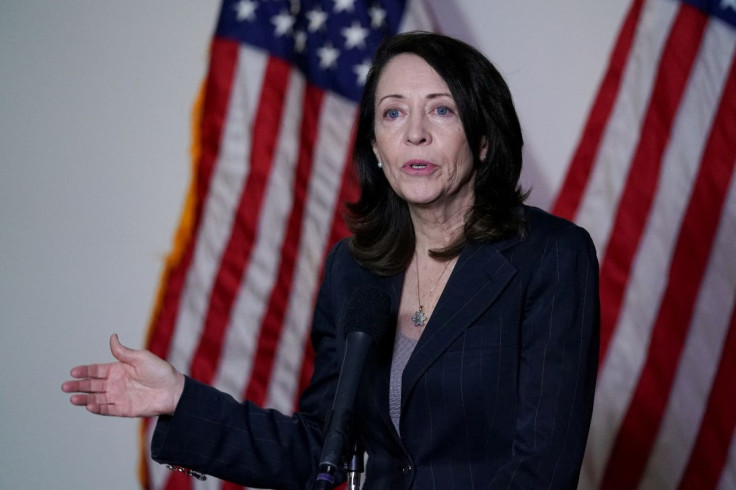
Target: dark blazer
(498, 392)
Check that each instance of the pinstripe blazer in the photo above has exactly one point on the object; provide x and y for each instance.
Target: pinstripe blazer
(498, 392)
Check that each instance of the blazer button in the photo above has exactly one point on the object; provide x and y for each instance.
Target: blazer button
(406, 469)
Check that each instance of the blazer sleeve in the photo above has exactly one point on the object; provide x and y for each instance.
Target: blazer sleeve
(558, 365)
(212, 433)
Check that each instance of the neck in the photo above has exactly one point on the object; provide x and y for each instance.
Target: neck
(438, 223)
(436, 228)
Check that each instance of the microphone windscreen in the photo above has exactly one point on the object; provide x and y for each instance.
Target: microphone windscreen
(368, 311)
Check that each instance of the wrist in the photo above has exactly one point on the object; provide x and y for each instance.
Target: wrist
(176, 393)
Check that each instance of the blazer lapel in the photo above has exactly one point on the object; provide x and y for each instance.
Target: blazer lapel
(480, 275)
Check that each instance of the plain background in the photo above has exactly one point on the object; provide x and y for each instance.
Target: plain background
(95, 102)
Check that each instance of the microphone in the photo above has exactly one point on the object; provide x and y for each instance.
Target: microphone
(365, 322)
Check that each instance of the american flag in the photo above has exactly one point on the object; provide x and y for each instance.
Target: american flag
(272, 142)
(653, 182)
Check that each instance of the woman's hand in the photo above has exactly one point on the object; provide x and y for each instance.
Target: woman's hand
(141, 384)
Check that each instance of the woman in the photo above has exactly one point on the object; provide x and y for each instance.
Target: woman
(487, 378)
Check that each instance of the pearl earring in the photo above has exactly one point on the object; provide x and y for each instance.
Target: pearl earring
(380, 165)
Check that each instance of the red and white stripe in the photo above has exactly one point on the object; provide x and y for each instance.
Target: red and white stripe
(653, 182)
(270, 178)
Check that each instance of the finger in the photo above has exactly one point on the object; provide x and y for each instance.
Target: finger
(119, 351)
(100, 407)
(79, 372)
(70, 386)
(96, 403)
(87, 385)
(79, 400)
(93, 407)
(90, 371)
(104, 409)
(92, 386)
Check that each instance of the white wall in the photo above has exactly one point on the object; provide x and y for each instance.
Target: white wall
(94, 133)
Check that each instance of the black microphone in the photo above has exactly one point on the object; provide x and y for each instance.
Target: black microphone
(365, 322)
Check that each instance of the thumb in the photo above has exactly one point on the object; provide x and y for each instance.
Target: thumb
(119, 351)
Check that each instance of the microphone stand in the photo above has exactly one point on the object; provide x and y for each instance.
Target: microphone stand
(354, 466)
(333, 451)
(366, 316)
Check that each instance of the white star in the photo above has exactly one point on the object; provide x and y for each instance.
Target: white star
(728, 3)
(327, 56)
(300, 41)
(317, 19)
(362, 71)
(355, 35)
(344, 5)
(378, 16)
(282, 23)
(246, 10)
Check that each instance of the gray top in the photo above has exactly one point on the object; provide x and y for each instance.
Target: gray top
(403, 347)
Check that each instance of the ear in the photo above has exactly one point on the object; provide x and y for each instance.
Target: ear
(483, 148)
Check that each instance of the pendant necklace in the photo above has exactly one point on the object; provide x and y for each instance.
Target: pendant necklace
(419, 319)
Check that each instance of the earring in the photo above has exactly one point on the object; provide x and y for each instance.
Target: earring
(380, 165)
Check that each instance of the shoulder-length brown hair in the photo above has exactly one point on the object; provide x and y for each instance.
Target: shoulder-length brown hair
(383, 235)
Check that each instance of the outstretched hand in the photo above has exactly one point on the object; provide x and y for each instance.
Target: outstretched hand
(141, 384)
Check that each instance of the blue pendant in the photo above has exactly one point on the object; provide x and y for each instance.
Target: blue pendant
(419, 318)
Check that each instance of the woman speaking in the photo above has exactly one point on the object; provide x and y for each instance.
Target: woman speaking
(486, 376)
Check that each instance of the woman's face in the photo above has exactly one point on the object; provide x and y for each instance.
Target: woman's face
(419, 136)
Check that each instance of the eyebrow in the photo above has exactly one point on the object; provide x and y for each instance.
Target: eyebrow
(433, 95)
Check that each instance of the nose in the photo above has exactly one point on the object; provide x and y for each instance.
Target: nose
(417, 132)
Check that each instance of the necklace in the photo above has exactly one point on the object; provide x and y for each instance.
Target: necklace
(419, 319)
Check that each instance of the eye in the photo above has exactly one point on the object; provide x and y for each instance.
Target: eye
(443, 110)
(392, 113)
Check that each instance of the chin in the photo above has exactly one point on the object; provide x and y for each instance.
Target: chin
(423, 201)
(421, 196)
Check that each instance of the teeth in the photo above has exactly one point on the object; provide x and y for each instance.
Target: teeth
(416, 165)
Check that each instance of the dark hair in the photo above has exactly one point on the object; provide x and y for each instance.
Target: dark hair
(383, 236)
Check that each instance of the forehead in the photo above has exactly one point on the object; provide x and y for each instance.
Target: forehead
(409, 73)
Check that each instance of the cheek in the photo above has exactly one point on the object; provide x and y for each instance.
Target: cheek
(381, 147)
(464, 163)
